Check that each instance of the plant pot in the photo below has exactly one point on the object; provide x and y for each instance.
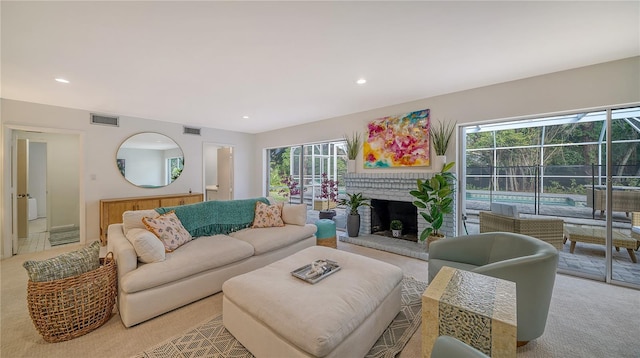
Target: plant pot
(326, 214)
(439, 161)
(353, 225)
(396, 233)
(432, 238)
(351, 166)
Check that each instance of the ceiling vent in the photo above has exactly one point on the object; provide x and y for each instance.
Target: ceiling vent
(105, 120)
(189, 130)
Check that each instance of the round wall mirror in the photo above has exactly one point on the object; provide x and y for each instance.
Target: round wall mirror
(150, 160)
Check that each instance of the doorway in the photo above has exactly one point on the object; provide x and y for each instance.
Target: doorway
(33, 228)
(45, 190)
(218, 171)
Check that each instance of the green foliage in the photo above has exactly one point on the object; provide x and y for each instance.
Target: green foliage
(512, 153)
(353, 145)
(557, 188)
(441, 135)
(435, 197)
(353, 202)
(396, 225)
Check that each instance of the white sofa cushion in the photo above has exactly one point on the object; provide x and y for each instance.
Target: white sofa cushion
(509, 210)
(635, 229)
(133, 219)
(147, 245)
(294, 214)
(196, 256)
(269, 239)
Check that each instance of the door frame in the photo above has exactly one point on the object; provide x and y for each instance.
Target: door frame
(9, 198)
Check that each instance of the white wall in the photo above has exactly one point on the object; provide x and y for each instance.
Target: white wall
(611, 83)
(100, 177)
(211, 163)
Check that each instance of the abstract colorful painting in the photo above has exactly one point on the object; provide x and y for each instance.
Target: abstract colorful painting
(398, 141)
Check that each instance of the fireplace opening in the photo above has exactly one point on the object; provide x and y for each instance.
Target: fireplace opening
(384, 211)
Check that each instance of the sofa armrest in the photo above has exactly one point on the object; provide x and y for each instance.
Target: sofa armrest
(123, 251)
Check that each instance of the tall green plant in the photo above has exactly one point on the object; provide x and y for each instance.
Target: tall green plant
(435, 196)
(441, 135)
(354, 201)
(353, 145)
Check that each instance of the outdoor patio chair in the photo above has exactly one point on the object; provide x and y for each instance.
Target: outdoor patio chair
(548, 230)
(635, 226)
(622, 200)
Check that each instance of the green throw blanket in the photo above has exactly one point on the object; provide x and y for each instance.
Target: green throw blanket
(215, 217)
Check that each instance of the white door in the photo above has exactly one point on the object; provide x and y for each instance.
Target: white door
(22, 187)
(225, 173)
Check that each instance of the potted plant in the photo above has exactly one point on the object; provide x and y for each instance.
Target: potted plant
(353, 148)
(396, 228)
(435, 197)
(440, 135)
(328, 195)
(292, 187)
(354, 201)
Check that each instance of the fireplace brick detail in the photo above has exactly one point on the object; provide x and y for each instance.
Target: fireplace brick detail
(391, 186)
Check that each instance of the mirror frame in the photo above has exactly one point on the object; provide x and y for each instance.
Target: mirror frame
(149, 153)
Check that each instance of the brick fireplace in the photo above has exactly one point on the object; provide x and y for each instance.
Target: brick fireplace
(393, 187)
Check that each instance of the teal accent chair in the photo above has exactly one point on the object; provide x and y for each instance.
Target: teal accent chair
(449, 347)
(525, 260)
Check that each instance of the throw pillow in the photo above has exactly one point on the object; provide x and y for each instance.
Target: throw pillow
(294, 214)
(267, 215)
(169, 230)
(66, 265)
(133, 219)
(147, 245)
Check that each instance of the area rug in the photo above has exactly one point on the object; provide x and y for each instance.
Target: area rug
(211, 339)
(64, 236)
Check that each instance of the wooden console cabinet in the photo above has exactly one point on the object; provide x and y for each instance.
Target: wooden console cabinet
(111, 209)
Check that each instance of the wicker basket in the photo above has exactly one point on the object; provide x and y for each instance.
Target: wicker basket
(71, 307)
(328, 242)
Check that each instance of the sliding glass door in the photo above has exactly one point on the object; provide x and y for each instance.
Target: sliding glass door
(561, 167)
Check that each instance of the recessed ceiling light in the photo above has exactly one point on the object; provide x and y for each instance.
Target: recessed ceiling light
(361, 81)
(245, 117)
(62, 80)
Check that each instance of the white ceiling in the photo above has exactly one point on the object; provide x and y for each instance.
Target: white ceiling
(207, 64)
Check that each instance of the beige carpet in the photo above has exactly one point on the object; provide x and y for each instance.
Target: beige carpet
(587, 318)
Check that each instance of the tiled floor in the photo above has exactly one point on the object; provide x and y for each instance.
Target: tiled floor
(38, 237)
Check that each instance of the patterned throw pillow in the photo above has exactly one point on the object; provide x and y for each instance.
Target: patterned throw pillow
(169, 230)
(66, 265)
(267, 215)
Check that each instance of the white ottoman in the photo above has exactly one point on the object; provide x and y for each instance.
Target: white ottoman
(274, 314)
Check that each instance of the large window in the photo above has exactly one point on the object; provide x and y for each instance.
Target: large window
(296, 173)
(557, 167)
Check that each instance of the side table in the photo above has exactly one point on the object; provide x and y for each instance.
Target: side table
(476, 309)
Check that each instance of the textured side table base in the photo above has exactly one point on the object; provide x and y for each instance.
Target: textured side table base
(476, 309)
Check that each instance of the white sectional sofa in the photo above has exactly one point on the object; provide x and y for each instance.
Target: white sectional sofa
(198, 268)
